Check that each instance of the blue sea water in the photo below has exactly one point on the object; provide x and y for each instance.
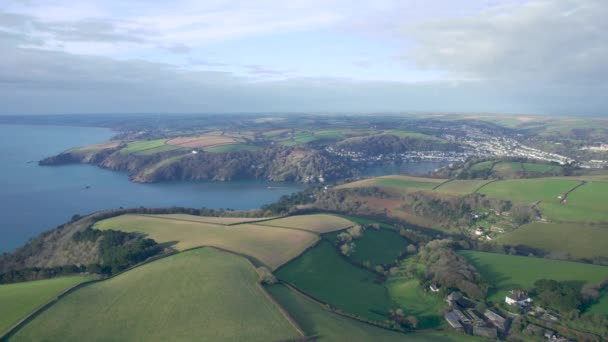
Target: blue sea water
(37, 198)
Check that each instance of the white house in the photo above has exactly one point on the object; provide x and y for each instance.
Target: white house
(518, 297)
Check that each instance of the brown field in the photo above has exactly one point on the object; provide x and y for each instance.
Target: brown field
(98, 147)
(208, 219)
(318, 223)
(202, 141)
(272, 246)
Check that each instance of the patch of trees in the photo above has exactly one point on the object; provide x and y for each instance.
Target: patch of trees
(345, 240)
(449, 269)
(388, 143)
(453, 212)
(38, 273)
(287, 202)
(118, 250)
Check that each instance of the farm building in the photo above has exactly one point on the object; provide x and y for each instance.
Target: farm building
(452, 320)
(497, 320)
(518, 297)
(477, 321)
(486, 332)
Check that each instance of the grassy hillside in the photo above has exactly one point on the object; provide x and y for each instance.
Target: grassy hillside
(319, 223)
(324, 274)
(578, 240)
(20, 299)
(588, 203)
(376, 247)
(270, 245)
(415, 301)
(507, 272)
(529, 190)
(315, 320)
(201, 294)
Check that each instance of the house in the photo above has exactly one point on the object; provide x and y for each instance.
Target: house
(479, 231)
(434, 288)
(518, 297)
(453, 297)
(452, 320)
(194, 152)
(497, 320)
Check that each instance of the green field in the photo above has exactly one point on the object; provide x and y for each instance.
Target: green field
(415, 301)
(318, 223)
(162, 148)
(507, 169)
(588, 203)
(143, 145)
(578, 240)
(487, 165)
(507, 272)
(378, 247)
(541, 168)
(601, 307)
(414, 135)
(324, 274)
(272, 246)
(231, 148)
(404, 183)
(529, 190)
(315, 320)
(20, 299)
(202, 294)
(461, 187)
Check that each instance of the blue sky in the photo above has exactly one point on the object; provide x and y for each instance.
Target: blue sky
(537, 56)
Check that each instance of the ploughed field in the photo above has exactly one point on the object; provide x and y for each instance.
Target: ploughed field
(194, 294)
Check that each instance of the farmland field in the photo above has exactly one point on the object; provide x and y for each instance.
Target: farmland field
(507, 169)
(588, 203)
(377, 247)
(230, 148)
(409, 182)
(487, 165)
(143, 145)
(315, 320)
(507, 272)
(202, 141)
(415, 301)
(271, 246)
(20, 299)
(194, 295)
(318, 223)
(529, 190)
(461, 187)
(324, 274)
(540, 168)
(207, 219)
(578, 240)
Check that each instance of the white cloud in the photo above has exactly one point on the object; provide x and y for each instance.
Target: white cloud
(560, 41)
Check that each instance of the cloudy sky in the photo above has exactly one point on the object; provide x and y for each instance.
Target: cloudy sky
(110, 56)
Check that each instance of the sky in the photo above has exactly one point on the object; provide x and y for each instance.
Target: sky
(149, 56)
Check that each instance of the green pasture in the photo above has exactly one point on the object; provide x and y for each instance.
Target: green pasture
(576, 239)
(202, 294)
(20, 299)
(507, 272)
(327, 276)
(318, 321)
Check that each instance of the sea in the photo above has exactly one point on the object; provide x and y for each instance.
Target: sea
(37, 198)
